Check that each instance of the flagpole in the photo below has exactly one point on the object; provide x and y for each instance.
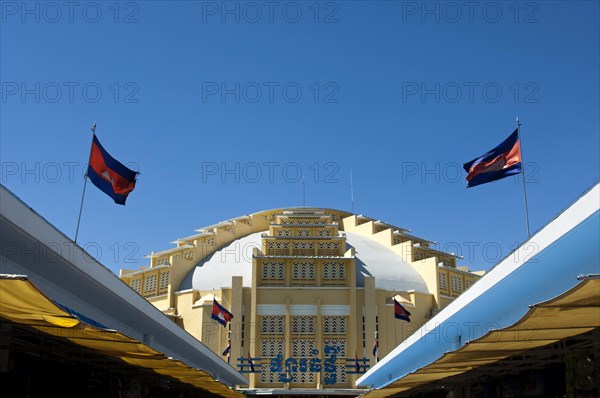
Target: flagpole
(523, 177)
(229, 344)
(85, 178)
(377, 349)
(395, 320)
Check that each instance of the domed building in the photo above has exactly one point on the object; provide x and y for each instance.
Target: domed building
(312, 292)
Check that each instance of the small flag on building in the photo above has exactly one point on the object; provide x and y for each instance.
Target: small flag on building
(376, 347)
(251, 363)
(110, 175)
(220, 314)
(502, 161)
(400, 312)
(227, 349)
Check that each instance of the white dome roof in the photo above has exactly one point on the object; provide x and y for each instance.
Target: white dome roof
(372, 259)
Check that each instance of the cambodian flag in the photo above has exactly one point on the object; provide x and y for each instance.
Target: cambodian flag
(400, 312)
(376, 348)
(220, 314)
(227, 349)
(502, 161)
(110, 175)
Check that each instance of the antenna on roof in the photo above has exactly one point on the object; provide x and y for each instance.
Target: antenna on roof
(351, 194)
(303, 192)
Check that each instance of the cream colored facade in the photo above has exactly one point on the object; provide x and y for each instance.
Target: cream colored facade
(311, 285)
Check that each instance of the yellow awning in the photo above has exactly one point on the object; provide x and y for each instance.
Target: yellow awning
(574, 312)
(21, 302)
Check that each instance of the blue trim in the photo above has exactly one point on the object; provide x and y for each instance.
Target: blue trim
(80, 316)
(545, 275)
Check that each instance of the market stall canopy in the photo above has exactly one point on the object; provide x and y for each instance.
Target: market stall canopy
(23, 303)
(572, 313)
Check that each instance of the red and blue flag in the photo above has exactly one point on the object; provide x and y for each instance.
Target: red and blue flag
(110, 175)
(400, 312)
(376, 348)
(220, 314)
(227, 349)
(502, 161)
(251, 362)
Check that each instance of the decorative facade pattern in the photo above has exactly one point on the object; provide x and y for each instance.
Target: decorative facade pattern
(303, 325)
(273, 270)
(150, 283)
(270, 348)
(442, 281)
(303, 271)
(136, 284)
(272, 324)
(334, 271)
(456, 283)
(334, 325)
(164, 280)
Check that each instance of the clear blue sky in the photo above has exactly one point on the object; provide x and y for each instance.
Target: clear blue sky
(400, 93)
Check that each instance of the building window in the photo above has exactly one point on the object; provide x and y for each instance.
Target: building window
(150, 284)
(283, 232)
(329, 248)
(456, 283)
(272, 324)
(303, 272)
(210, 241)
(270, 348)
(278, 248)
(303, 347)
(164, 280)
(469, 283)
(342, 353)
(188, 255)
(340, 344)
(304, 249)
(334, 325)
(442, 281)
(162, 261)
(418, 254)
(333, 272)
(273, 271)
(324, 232)
(136, 284)
(303, 325)
(304, 377)
(304, 232)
